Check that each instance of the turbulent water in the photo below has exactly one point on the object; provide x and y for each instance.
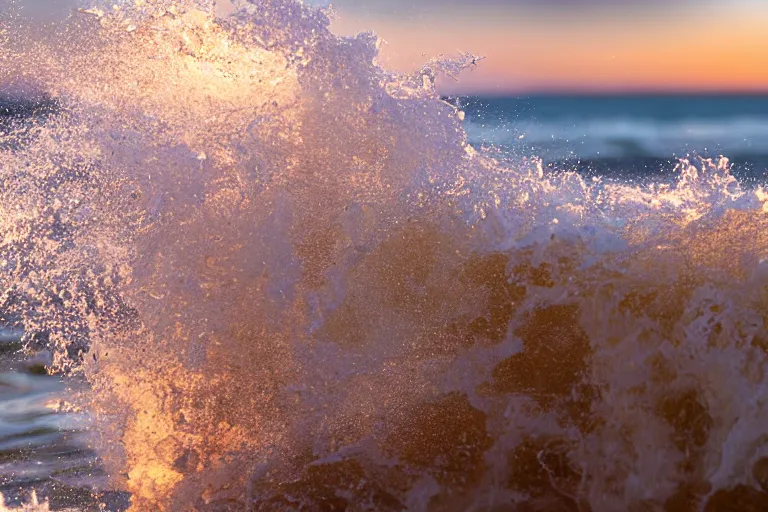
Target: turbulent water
(292, 284)
(628, 137)
(623, 126)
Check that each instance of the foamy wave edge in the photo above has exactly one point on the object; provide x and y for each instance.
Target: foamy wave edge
(291, 282)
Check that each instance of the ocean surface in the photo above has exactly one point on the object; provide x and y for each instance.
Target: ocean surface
(242, 267)
(625, 137)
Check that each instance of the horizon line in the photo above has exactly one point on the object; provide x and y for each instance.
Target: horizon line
(575, 92)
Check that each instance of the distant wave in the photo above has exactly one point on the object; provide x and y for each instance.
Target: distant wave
(625, 137)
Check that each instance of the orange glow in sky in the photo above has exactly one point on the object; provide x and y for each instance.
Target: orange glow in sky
(561, 45)
(713, 48)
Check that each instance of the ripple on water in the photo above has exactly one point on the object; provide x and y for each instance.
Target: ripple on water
(44, 453)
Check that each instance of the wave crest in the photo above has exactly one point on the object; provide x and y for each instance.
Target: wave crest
(292, 283)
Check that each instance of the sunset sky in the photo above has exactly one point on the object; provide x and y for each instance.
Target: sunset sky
(565, 45)
(576, 45)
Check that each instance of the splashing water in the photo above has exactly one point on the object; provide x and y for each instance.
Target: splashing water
(293, 285)
(34, 506)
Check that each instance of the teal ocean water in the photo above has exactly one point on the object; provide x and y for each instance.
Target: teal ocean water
(630, 137)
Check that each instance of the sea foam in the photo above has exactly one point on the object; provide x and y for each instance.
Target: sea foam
(293, 284)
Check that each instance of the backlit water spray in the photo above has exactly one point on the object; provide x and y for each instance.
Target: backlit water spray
(292, 284)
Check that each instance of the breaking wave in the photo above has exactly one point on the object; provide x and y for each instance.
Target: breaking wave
(293, 284)
(625, 138)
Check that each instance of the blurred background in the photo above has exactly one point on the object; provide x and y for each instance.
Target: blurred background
(616, 88)
(577, 45)
(560, 46)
